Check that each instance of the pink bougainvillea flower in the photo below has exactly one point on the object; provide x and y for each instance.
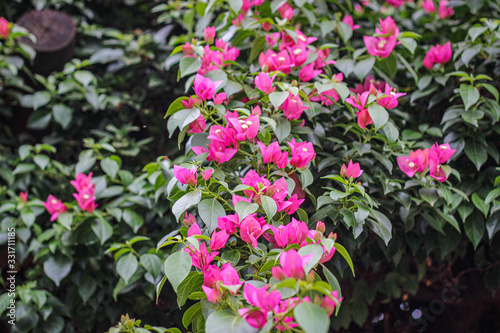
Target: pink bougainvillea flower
(379, 46)
(291, 265)
(54, 206)
(254, 318)
(364, 118)
(194, 230)
(204, 87)
(359, 101)
(191, 102)
(352, 170)
(271, 39)
(390, 98)
(187, 49)
(206, 174)
(209, 34)
(201, 258)
(435, 170)
(198, 126)
(298, 54)
(251, 229)
(86, 199)
(444, 11)
(308, 72)
(4, 28)
(272, 61)
(189, 219)
(428, 6)
(439, 54)
(228, 223)
(329, 303)
(82, 182)
(220, 98)
(261, 298)
(266, 26)
(395, 3)
(214, 277)
(302, 153)
(417, 161)
(246, 129)
(293, 107)
(388, 28)
(218, 240)
(292, 204)
(186, 176)
(441, 153)
(294, 232)
(350, 22)
(283, 309)
(23, 196)
(265, 83)
(273, 153)
(286, 11)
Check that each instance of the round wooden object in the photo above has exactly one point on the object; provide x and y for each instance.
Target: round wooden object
(55, 39)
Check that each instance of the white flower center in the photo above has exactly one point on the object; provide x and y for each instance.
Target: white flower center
(54, 201)
(86, 196)
(411, 164)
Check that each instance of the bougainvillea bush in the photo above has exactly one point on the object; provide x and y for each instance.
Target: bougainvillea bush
(337, 169)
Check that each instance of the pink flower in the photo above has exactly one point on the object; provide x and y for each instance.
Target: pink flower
(204, 87)
(350, 22)
(260, 298)
(214, 277)
(441, 153)
(438, 54)
(291, 265)
(201, 258)
(292, 204)
(209, 34)
(194, 230)
(436, 171)
(4, 28)
(308, 72)
(198, 126)
(359, 101)
(271, 39)
(220, 98)
(218, 240)
(444, 11)
(352, 170)
(85, 199)
(191, 102)
(428, 6)
(395, 3)
(251, 229)
(388, 28)
(272, 153)
(417, 161)
(187, 49)
(228, 223)
(286, 11)
(294, 232)
(82, 182)
(390, 98)
(186, 176)
(272, 61)
(293, 107)
(298, 54)
(54, 206)
(23, 196)
(379, 46)
(265, 83)
(266, 26)
(302, 153)
(206, 174)
(329, 303)
(189, 219)
(246, 129)
(364, 118)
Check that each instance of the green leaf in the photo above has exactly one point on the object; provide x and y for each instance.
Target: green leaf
(362, 68)
(409, 43)
(42, 161)
(152, 263)
(191, 283)
(210, 210)
(191, 314)
(379, 115)
(332, 280)
(227, 322)
(476, 152)
(62, 115)
(189, 65)
(492, 196)
(316, 250)
(187, 200)
(389, 65)
(84, 77)
(243, 209)
(87, 287)
(235, 6)
(177, 267)
(57, 268)
(66, 219)
(85, 162)
(474, 228)
(110, 167)
(259, 43)
(176, 106)
(469, 94)
(102, 229)
(283, 128)
(311, 317)
(126, 266)
(269, 206)
(277, 98)
(133, 219)
(345, 254)
(480, 204)
(429, 194)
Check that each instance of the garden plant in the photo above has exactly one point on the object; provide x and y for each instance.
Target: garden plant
(253, 166)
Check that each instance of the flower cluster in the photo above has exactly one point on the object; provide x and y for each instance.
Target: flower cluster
(85, 192)
(4, 28)
(443, 10)
(438, 54)
(421, 161)
(385, 41)
(55, 207)
(386, 96)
